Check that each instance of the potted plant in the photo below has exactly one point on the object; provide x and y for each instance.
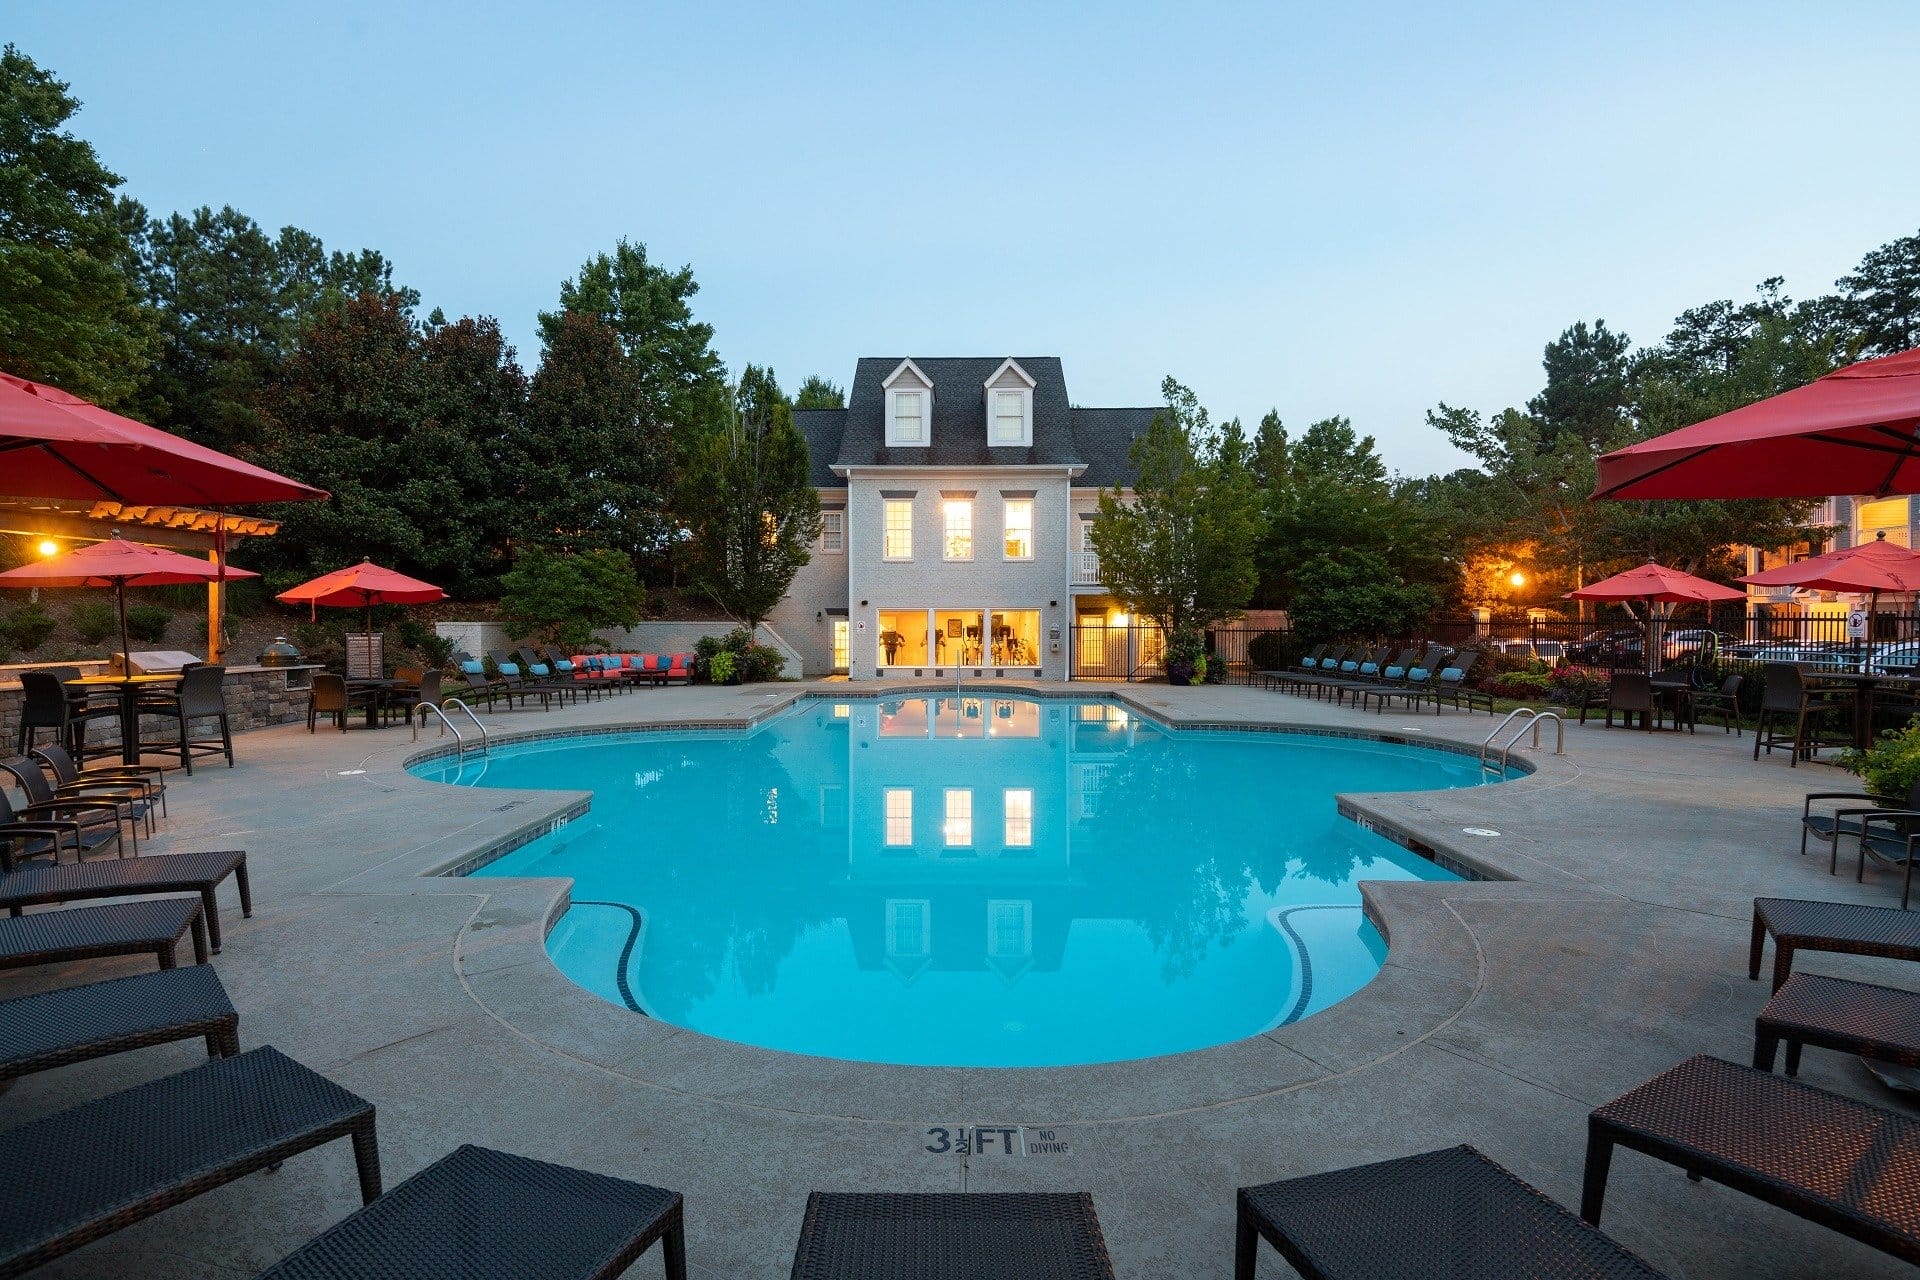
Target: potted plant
(721, 668)
(1891, 765)
(891, 642)
(1186, 658)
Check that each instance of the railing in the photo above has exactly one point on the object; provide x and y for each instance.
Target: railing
(1086, 569)
(1527, 717)
(439, 712)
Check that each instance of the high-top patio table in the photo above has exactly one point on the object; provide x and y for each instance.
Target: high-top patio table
(103, 1165)
(127, 689)
(1444, 1215)
(951, 1236)
(1863, 684)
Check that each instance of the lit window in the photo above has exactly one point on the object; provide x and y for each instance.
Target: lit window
(899, 529)
(1009, 417)
(1020, 529)
(842, 655)
(959, 827)
(1019, 806)
(900, 817)
(833, 531)
(908, 426)
(959, 518)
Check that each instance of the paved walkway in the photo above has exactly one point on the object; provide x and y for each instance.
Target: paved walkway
(1506, 1011)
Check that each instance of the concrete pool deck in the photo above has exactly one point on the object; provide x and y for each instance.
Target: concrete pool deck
(1505, 1012)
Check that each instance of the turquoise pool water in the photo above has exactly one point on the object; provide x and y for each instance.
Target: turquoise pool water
(971, 881)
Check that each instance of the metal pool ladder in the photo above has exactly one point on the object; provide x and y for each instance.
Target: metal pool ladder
(1527, 716)
(446, 724)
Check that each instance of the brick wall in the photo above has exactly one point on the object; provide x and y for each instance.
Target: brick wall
(256, 697)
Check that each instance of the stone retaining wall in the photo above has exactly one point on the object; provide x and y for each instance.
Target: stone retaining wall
(256, 697)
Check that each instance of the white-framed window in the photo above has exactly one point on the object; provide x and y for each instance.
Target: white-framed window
(1009, 417)
(899, 529)
(908, 423)
(1019, 527)
(1009, 928)
(1018, 804)
(958, 828)
(899, 817)
(909, 926)
(833, 531)
(957, 514)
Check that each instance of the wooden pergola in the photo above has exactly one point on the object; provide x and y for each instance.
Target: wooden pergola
(177, 528)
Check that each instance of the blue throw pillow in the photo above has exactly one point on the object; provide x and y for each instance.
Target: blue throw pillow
(1453, 675)
(1349, 665)
(1418, 673)
(474, 668)
(508, 668)
(1394, 673)
(1369, 668)
(537, 668)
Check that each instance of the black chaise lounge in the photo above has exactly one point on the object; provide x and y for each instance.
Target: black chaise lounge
(1438, 1216)
(73, 1177)
(1795, 924)
(951, 1236)
(479, 1214)
(54, 1028)
(150, 927)
(1832, 1160)
(39, 885)
(1882, 1023)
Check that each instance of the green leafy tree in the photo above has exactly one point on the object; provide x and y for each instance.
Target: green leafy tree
(754, 511)
(69, 314)
(1358, 593)
(603, 460)
(1586, 391)
(1880, 299)
(1180, 549)
(817, 393)
(565, 597)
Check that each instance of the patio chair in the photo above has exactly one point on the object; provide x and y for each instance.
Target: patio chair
(38, 885)
(1772, 1138)
(203, 1128)
(1416, 683)
(680, 668)
(1881, 1023)
(510, 677)
(152, 926)
(74, 1024)
(1797, 924)
(1891, 839)
(540, 673)
(480, 687)
(1723, 702)
(99, 828)
(479, 1213)
(201, 696)
(88, 807)
(947, 1235)
(1631, 693)
(1310, 660)
(1370, 674)
(426, 689)
(44, 704)
(329, 696)
(1849, 820)
(1785, 698)
(566, 668)
(1448, 1213)
(1451, 685)
(149, 779)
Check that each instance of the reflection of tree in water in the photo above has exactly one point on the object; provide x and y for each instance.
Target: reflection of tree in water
(705, 920)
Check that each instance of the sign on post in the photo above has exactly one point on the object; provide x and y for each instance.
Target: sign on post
(1856, 623)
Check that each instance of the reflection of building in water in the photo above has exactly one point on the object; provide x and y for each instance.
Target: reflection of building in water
(957, 817)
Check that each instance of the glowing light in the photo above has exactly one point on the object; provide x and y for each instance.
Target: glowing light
(48, 547)
(1517, 578)
(1119, 619)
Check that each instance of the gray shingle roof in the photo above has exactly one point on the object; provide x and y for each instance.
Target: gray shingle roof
(959, 429)
(822, 428)
(1105, 439)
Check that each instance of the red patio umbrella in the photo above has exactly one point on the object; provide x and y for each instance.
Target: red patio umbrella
(1869, 569)
(1857, 430)
(1655, 584)
(365, 584)
(119, 564)
(53, 445)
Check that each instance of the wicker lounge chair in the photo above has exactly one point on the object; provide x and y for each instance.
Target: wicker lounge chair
(151, 927)
(1309, 661)
(85, 825)
(541, 674)
(74, 1183)
(1796, 924)
(1414, 684)
(511, 676)
(200, 873)
(1882, 1023)
(479, 688)
(73, 1024)
(1450, 685)
(1893, 839)
(87, 805)
(1444, 1214)
(1723, 702)
(951, 1236)
(149, 781)
(1847, 819)
(1372, 674)
(1834, 1161)
(479, 1214)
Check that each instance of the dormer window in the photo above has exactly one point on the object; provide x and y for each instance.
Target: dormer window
(1009, 407)
(909, 407)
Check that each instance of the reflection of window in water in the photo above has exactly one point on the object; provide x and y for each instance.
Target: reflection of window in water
(1015, 719)
(904, 719)
(1009, 928)
(960, 718)
(1089, 781)
(1019, 818)
(833, 808)
(908, 926)
(899, 817)
(1102, 713)
(959, 825)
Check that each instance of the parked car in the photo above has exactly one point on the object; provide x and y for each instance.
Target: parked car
(1606, 648)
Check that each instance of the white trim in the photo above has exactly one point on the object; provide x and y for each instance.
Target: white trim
(1025, 392)
(925, 393)
(901, 368)
(977, 469)
(1008, 363)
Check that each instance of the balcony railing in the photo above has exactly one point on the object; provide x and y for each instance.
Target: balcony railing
(1086, 570)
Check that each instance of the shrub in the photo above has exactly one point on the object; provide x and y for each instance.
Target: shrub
(26, 628)
(720, 666)
(1268, 651)
(1890, 766)
(148, 622)
(564, 599)
(1186, 655)
(93, 621)
(434, 649)
(1573, 685)
(761, 662)
(1522, 686)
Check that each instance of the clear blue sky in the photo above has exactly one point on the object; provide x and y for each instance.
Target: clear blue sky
(1297, 206)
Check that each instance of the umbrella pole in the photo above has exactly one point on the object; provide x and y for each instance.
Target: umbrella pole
(126, 650)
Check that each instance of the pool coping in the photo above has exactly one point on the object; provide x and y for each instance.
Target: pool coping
(1432, 972)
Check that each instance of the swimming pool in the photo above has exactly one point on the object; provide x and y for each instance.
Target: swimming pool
(966, 881)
